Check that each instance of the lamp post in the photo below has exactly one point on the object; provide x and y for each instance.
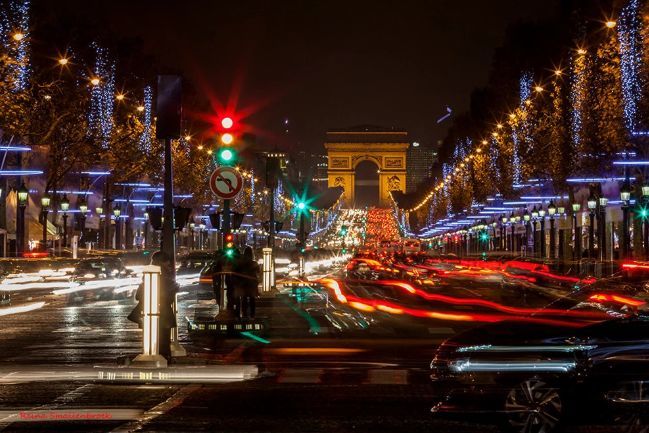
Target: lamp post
(65, 205)
(603, 201)
(512, 221)
(146, 231)
(83, 210)
(535, 218)
(23, 196)
(542, 217)
(643, 213)
(192, 226)
(576, 252)
(561, 212)
(100, 213)
(45, 209)
(118, 232)
(552, 210)
(201, 235)
(526, 219)
(625, 196)
(592, 205)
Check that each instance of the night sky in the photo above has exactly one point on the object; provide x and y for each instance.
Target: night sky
(324, 64)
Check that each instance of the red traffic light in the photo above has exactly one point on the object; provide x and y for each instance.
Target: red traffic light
(229, 237)
(227, 122)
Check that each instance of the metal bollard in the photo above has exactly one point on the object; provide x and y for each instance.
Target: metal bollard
(177, 350)
(268, 271)
(151, 308)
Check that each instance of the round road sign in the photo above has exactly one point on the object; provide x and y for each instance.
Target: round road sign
(226, 182)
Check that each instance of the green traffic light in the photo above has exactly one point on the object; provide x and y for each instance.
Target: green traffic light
(301, 205)
(226, 155)
(484, 236)
(229, 252)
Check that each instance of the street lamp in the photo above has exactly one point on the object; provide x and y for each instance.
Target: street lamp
(542, 217)
(512, 220)
(83, 210)
(503, 233)
(526, 218)
(625, 196)
(535, 217)
(23, 196)
(64, 205)
(644, 214)
(146, 230)
(576, 207)
(100, 215)
(552, 210)
(118, 233)
(45, 204)
(592, 205)
(603, 201)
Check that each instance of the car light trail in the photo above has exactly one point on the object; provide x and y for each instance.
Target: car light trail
(21, 308)
(466, 365)
(548, 348)
(362, 304)
(484, 303)
(605, 297)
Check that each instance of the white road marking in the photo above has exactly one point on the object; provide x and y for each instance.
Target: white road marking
(172, 402)
(61, 400)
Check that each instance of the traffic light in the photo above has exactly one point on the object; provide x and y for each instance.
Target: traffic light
(343, 231)
(226, 156)
(226, 130)
(228, 245)
(484, 236)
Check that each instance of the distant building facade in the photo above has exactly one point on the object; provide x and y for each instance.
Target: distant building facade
(420, 158)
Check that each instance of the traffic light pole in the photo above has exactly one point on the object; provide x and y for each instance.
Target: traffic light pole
(225, 229)
(271, 233)
(302, 245)
(168, 239)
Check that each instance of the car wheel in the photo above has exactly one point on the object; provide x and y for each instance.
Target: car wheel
(533, 406)
(633, 416)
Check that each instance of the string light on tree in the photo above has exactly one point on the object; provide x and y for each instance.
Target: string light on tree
(100, 116)
(145, 137)
(631, 45)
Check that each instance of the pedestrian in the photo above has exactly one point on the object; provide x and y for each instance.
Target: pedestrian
(246, 284)
(216, 272)
(167, 296)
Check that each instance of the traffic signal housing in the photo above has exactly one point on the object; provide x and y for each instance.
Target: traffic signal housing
(228, 245)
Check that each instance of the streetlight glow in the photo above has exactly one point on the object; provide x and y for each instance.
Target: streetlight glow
(94, 81)
(63, 61)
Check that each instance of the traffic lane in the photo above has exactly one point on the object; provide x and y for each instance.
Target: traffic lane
(93, 332)
(73, 396)
(265, 405)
